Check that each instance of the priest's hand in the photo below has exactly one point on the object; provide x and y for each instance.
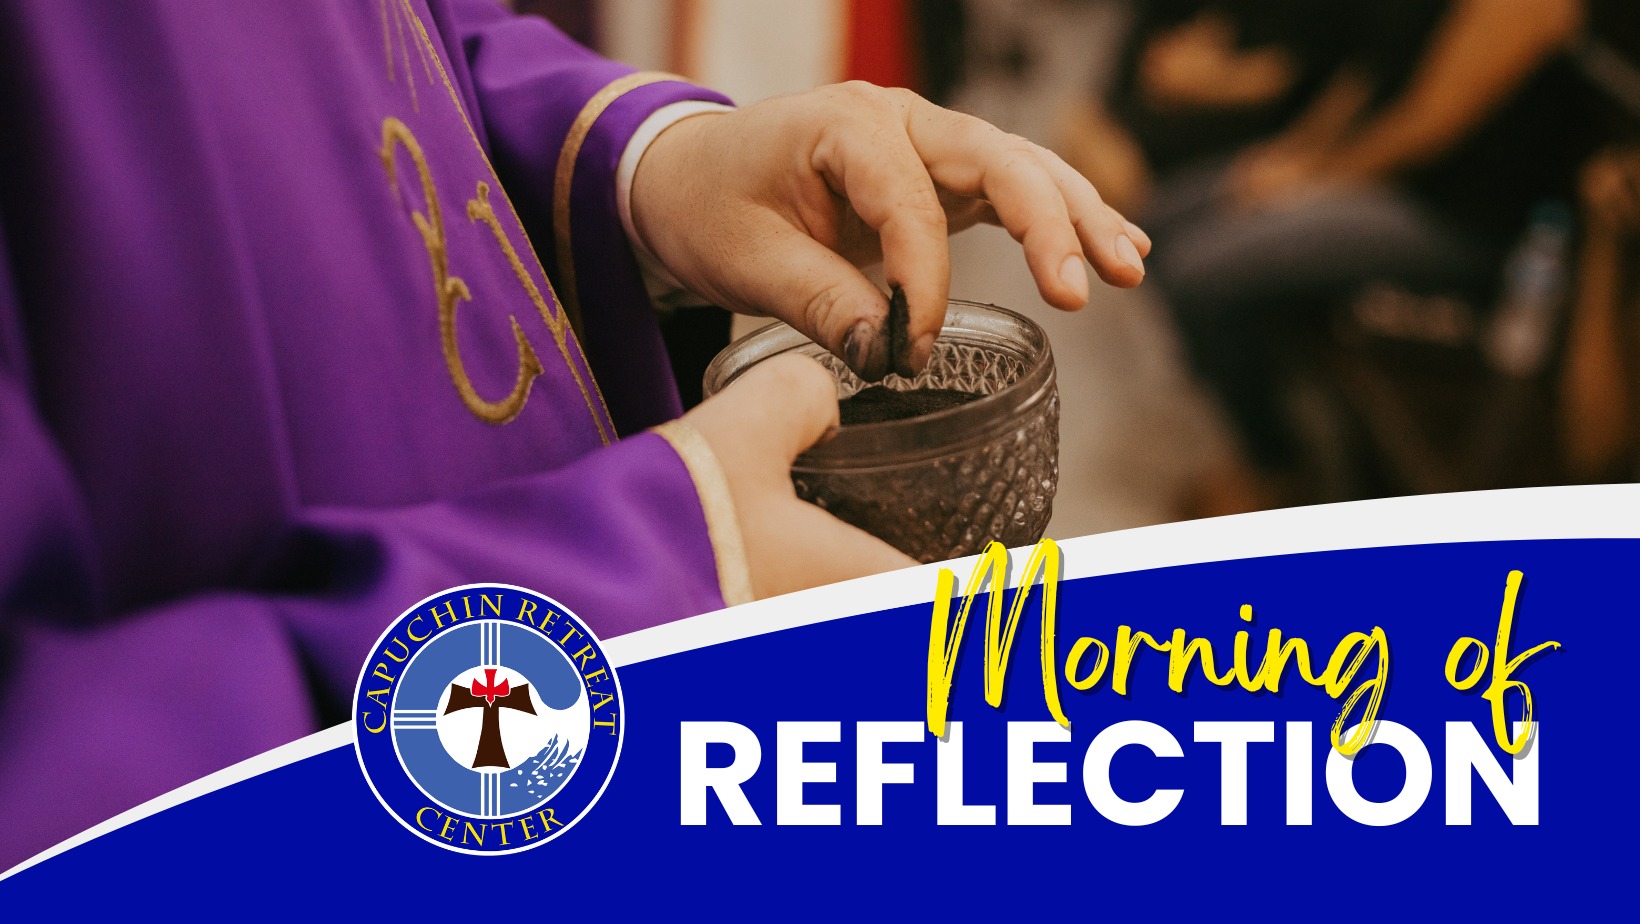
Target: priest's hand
(756, 427)
(768, 210)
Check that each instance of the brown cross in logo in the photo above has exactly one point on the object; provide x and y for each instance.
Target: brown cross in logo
(492, 698)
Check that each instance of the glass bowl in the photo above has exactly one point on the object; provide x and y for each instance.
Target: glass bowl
(945, 484)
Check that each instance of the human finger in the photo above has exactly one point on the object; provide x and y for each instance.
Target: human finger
(974, 158)
(769, 415)
(817, 291)
(755, 428)
(869, 158)
(1100, 228)
(962, 213)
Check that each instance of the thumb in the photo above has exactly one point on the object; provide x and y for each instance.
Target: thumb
(766, 418)
(755, 428)
(812, 288)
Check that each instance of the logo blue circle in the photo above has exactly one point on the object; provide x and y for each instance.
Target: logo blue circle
(487, 719)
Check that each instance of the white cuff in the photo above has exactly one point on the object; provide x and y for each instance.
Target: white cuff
(663, 288)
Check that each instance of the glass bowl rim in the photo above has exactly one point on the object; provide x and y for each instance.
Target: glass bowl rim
(888, 444)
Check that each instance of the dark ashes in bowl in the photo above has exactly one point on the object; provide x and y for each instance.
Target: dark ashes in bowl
(878, 403)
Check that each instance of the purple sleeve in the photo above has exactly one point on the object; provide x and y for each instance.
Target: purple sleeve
(557, 118)
(100, 711)
(125, 706)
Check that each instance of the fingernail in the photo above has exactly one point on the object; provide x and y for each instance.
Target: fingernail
(1127, 253)
(865, 352)
(854, 344)
(1074, 275)
(1136, 233)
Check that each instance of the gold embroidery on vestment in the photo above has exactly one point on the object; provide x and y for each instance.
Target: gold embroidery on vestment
(400, 12)
(556, 322)
(563, 180)
(479, 209)
(409, 77)
(452, 290)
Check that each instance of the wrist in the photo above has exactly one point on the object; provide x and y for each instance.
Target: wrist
(649, 176)
(660, 283)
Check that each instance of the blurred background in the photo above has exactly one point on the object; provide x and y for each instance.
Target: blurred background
(1394, 239)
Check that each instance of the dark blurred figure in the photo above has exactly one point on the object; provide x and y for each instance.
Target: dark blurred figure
(942, 44)
(1417, 165)
(1600, 378)
(576, 18)
(1203, 78)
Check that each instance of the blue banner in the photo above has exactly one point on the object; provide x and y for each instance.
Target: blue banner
(793, 772)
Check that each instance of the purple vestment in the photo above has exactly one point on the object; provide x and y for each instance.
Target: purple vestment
(259, 389)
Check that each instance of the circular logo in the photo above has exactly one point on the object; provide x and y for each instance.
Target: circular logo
(487, 719)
